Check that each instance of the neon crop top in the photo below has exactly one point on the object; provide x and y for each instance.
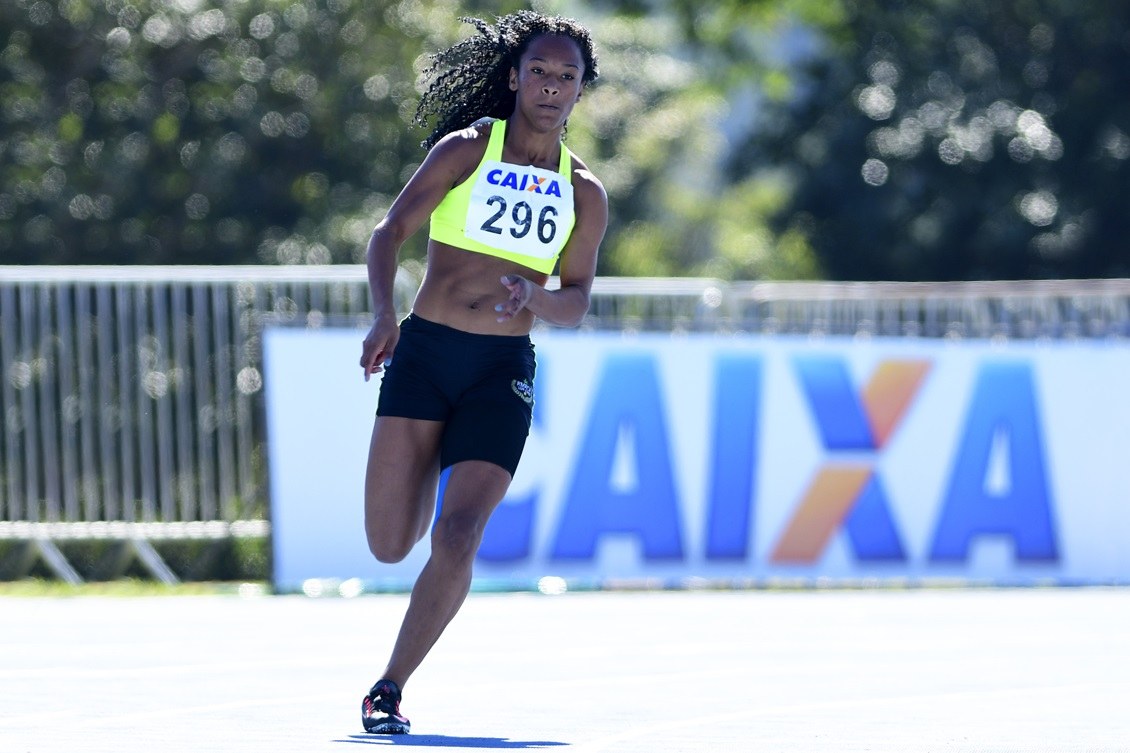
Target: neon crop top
(516, 212)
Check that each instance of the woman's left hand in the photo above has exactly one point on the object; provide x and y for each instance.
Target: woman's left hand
(520, 291)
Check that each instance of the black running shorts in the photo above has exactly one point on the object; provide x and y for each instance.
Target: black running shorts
(480, 386)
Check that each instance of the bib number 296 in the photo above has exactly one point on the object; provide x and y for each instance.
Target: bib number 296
(521, 220)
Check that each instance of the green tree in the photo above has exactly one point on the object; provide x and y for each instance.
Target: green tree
(682, 82)
(259, 131)
(742, 139)
(955, 139)
(190, 132)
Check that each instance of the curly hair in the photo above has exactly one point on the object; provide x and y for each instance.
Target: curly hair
(471, 79)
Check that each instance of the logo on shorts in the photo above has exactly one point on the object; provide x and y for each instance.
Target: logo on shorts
(523, 389)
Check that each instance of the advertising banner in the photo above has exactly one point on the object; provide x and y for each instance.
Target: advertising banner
(676, 459)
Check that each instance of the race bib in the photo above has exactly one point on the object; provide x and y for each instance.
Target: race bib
(520, 209)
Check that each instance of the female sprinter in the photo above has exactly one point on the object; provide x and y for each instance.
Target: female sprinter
(507, 202)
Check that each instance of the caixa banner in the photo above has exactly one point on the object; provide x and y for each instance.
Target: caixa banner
(745, 459)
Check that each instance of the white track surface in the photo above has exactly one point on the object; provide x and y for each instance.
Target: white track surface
(710, 672)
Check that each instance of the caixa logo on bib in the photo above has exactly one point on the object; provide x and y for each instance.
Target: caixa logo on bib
(524, 182)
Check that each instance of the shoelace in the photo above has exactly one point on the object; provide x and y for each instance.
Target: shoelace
(384, 698)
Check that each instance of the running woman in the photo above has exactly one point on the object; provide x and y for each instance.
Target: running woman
(507, 203)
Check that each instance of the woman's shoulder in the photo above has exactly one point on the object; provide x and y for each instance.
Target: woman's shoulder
(463, 138)
(584, 180)
(463, 148)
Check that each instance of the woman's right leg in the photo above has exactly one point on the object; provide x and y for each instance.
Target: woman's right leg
(400, 500)
(400, 484)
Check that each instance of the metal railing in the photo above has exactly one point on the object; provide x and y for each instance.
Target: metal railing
(130, 399)
(131, 396)
(1033, 309)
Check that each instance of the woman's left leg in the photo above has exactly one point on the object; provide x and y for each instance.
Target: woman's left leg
(473, 491)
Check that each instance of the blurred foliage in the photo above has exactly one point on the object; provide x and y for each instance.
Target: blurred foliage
(954, 139)
(742, 139)
(179, 131)
(48, 586)
(687, 92)
(101, 561)
(259, 131)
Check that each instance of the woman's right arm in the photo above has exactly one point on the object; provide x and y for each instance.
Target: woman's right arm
(446, 163)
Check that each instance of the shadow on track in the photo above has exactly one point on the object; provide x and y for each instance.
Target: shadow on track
(443, 741)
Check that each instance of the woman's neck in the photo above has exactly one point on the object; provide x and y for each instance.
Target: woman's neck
(532, 147)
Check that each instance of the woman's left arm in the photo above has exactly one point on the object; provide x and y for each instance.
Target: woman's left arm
(567, 306)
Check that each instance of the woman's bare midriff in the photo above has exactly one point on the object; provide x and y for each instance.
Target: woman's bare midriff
(461, 289)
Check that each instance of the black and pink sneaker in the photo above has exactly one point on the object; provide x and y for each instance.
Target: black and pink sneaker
(380, 710)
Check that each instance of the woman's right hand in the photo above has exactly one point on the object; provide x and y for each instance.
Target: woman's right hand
(379, 344)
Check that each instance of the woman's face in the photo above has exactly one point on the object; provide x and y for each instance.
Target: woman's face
(548, 80)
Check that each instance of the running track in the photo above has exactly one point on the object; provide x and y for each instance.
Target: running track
(709, 672)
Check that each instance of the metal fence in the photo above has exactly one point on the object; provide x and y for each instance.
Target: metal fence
(131, 396)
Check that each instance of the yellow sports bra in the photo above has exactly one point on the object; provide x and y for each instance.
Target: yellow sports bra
(516, 212)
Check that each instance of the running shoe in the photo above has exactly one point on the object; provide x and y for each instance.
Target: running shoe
(380, 710)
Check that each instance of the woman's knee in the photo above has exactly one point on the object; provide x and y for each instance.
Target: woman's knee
(387, 545)
(457, 535)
